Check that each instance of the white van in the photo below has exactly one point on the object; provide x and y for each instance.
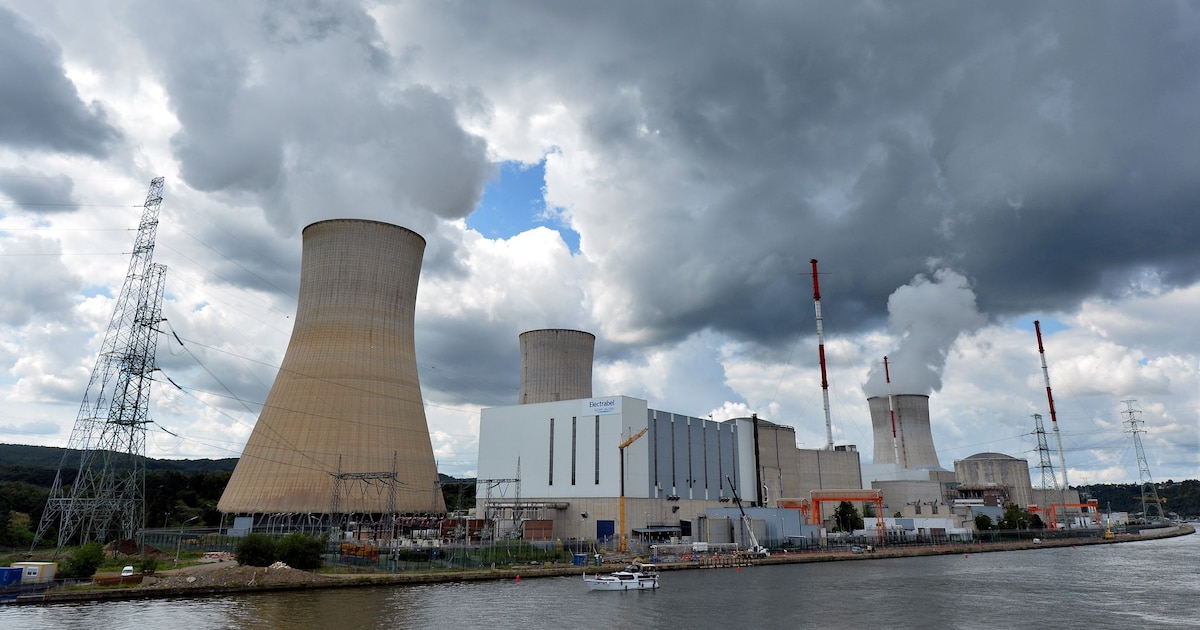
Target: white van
(127, 571)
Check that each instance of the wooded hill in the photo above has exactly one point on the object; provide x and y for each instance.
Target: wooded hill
(176, 490)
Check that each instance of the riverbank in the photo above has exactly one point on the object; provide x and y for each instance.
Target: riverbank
(227, 578)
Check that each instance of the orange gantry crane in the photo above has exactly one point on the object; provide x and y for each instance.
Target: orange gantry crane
(633, 438)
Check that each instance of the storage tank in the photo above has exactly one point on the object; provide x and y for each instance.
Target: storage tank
(343, 429)
(556, 364)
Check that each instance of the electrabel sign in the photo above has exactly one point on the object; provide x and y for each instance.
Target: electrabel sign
(601, 406)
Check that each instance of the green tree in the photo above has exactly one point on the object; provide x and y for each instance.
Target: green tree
(84, 561)
(256, 550)
(300, 551)
(983, 522)
(846, 518)
(149, 564)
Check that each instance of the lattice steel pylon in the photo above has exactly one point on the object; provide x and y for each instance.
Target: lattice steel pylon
(107, 448)
(1049, 481)
(1150, 499)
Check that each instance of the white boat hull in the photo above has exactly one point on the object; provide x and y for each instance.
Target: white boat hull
(636, 577)
(614, 584)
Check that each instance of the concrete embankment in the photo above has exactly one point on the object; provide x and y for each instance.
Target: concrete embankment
(262, 580)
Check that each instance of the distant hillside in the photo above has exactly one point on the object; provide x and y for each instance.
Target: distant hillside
(34, 459)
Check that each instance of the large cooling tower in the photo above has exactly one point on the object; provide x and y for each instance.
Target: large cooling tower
(345, 412)
(913, 438)
(556, 365)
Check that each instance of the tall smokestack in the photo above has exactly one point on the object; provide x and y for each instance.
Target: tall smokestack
(556, 364)
(821, 356)
(912, 431)
(346, 404)
(1062, 461)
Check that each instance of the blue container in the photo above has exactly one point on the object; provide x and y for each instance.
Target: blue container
(580, 561)
(10, 576)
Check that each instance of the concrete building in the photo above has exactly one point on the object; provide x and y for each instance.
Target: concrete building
(823, 470)
(556, 365)
(998, 470)
(343, 429)
(912, 448)
(562, 462)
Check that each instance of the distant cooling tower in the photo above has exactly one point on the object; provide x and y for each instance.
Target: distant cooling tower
(556, 365)
(912, 431)
(343, 429)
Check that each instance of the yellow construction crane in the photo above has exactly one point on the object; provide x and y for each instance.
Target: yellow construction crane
(624, 546)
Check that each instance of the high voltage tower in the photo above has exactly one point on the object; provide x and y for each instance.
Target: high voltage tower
(107, 449)
(1150, 500)
(1049, 481)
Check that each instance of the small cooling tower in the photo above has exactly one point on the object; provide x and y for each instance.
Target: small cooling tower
(556, 365)
(913, 437)
(343, 429)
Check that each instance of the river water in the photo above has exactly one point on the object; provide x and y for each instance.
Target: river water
(1147, 584)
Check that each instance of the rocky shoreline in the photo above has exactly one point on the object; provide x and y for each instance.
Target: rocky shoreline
(226, 578)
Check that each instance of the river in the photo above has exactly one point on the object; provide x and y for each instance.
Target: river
(1152, 583)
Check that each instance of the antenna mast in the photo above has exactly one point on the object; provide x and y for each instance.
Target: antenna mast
(821, 355)
(1062, 462)
(1149, 491)
(108, 442)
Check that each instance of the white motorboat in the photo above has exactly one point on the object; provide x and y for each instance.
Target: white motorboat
(635, 577)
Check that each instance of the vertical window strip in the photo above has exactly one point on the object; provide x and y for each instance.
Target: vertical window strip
(597, 446)
(551, 476)
(574, 445)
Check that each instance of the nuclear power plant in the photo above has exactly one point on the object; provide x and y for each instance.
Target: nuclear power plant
(343, 438)
(343, 430)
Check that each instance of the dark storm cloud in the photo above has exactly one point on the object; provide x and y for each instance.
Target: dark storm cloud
(1044, 150)
(490, 373)
(297, 107)
(36, 192)
(40, 108)
(38, 290)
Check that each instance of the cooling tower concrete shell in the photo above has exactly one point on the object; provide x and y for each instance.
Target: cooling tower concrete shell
(556, 365)
(346, 403)
(913, 436)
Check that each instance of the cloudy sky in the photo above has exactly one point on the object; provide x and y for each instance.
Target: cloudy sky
(656, 173)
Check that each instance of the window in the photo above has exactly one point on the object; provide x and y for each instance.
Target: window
(551, 475)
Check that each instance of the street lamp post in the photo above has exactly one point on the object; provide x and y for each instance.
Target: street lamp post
(179, 541)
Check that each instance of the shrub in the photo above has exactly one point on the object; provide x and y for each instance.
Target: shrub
(84, 561)
(256, 550)
(301, 551)
(149, 564)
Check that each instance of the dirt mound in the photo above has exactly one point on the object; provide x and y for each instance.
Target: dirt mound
(236, 576)
(129, 547)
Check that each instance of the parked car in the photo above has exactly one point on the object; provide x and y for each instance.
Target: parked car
(127, 571)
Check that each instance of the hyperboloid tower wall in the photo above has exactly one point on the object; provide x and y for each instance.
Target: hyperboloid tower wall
(556, 365)
(346, 405)
(912, 431)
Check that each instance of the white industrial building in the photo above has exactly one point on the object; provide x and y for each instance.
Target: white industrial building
(562, 462)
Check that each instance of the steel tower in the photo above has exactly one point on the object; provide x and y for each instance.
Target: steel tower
(1049, 481)
(1150, 500)
(107, 448)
